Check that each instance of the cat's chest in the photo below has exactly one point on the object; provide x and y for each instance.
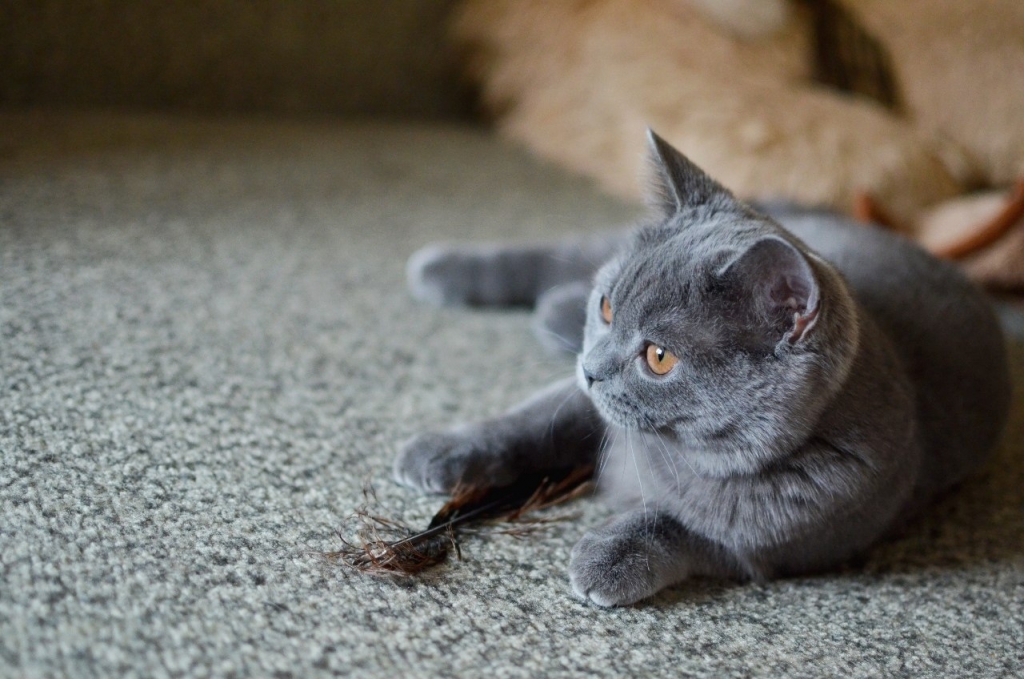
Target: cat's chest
(644, 468)
(647, 471)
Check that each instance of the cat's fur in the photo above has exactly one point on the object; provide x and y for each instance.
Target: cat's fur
(832, 379)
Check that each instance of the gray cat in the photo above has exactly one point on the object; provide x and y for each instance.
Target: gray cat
(767, 392)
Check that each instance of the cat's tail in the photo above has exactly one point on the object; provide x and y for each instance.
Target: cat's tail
(501, 275)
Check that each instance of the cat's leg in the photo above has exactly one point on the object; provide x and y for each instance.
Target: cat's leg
(641, 552)
(502, 275)
(558, 428)
(560, 315)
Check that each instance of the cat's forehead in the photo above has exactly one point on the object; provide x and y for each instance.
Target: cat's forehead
(655, 273)
(656, 265)
(689, 247)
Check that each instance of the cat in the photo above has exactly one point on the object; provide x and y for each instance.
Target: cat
(767, 391)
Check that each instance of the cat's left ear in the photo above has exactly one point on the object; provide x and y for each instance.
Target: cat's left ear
(678, 182)
(778, 280)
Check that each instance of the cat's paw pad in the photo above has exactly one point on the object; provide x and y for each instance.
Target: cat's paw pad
(439, 462)
(441, 275)
(613, 568)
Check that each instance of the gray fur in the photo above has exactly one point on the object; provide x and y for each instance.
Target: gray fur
(832, 379)
(495, 275)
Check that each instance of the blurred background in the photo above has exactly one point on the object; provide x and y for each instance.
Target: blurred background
(302, 57)
(906, 115)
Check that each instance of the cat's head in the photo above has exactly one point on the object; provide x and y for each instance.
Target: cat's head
(716, 327)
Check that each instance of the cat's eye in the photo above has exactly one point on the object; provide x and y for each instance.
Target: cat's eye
(606, 309)
(660, 360)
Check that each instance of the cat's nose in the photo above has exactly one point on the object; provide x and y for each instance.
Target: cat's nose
(590, 378)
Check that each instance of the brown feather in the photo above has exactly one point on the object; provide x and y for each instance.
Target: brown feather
(386, 547)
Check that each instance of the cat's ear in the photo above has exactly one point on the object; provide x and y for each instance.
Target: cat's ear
(678, 182)
(778, 280)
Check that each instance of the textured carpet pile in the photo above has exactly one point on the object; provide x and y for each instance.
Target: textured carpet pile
(207, 351)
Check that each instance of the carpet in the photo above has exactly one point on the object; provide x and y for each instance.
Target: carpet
(206, 354)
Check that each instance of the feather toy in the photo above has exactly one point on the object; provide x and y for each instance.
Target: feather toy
(387, 547)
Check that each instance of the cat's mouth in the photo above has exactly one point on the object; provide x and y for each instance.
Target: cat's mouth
(619, 410)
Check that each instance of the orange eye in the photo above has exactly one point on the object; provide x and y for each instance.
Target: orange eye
(660, 360)
(606, 310)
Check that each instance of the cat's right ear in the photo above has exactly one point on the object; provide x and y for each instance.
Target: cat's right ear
(779, 287)
(678, 183)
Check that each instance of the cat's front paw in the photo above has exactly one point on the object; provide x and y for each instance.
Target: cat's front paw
(619, 564)
(438, 462)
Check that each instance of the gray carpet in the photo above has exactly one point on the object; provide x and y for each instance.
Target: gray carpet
(206, 350)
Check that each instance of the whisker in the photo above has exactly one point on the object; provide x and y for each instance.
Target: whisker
(565, 344)
(606, 457)
(636, 466)
(554, 416)
(668, 457)
(602, 449)
(681, 457)
(650, 467)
